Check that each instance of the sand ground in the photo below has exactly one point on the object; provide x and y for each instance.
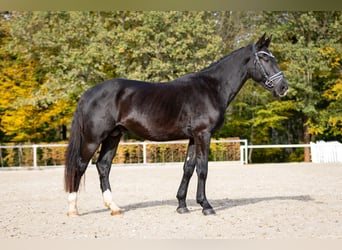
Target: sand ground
(261, 201)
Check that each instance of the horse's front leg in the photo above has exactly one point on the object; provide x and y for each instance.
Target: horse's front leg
(188, 170)
(202, 142)
(107, 153)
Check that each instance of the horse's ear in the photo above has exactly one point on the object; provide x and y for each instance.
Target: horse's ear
(260, 43)
(268, 41)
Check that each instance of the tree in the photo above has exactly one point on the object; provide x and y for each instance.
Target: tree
(3, 58)
(308, 51)
(56, 56)
(331, 119)
(76, 50)
(19, 116)
(302, 37)
(160, 46)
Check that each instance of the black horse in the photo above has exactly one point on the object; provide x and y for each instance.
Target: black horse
(190, 107)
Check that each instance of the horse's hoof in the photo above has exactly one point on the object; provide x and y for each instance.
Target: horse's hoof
(208, 211)
(183, 210)
(72, 214)
(116, 212)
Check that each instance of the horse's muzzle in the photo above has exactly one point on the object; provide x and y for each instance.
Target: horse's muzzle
(281, 89)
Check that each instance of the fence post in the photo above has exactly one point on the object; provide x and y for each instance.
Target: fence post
(144, 153)
(242, 160)
(246, 151)
(34, 156)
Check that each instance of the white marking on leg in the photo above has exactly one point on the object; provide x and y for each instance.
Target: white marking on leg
(72, 200)
(108, 201)
(107, 198)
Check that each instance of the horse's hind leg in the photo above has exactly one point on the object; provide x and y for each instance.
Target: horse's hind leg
(189, 166)
(87, 151)
(202, 142)
(104, 162)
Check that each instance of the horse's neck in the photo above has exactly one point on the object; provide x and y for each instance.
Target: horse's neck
(231, 73)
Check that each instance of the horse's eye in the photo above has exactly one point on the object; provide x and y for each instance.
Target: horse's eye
(265, 58)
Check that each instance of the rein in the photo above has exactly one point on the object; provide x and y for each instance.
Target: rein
(270, 80)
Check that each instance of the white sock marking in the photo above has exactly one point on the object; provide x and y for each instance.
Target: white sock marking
(72, 200)
(108, 200)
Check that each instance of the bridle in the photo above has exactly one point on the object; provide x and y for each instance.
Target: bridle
(270, 80)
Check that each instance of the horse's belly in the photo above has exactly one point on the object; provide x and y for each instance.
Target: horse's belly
(157, 130)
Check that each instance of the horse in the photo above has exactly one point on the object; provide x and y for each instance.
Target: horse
(191, 107)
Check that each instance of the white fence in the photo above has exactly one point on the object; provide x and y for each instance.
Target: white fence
(145, 144)
(31, 153)
(326, 152)
(244, 153)
(321, 152)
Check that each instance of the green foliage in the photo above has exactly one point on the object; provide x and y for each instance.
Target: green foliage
(312, 58)
(308, 51)
(48, 59)
(75, 50)
(160, 46)
(79, 49)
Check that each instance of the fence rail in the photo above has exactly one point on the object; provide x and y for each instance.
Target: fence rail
(128, 152)
(150, 152)
(321, 151)
(145, 145)
(244, 150)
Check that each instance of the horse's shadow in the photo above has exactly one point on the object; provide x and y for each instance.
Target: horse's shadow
(218, 204)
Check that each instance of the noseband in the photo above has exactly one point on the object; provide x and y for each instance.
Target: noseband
(270, 80)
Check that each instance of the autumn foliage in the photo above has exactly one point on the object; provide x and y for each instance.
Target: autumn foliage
(49, 58)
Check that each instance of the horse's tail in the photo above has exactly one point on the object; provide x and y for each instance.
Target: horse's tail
(73, 152)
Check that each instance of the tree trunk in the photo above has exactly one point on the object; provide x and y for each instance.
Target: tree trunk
(307, 157)
(64, 132)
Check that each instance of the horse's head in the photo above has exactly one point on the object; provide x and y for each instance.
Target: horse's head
(264, 68)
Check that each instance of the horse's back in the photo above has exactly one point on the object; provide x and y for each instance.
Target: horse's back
(155, 111)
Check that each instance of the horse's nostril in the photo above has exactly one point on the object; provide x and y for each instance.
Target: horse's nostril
(284, 88)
